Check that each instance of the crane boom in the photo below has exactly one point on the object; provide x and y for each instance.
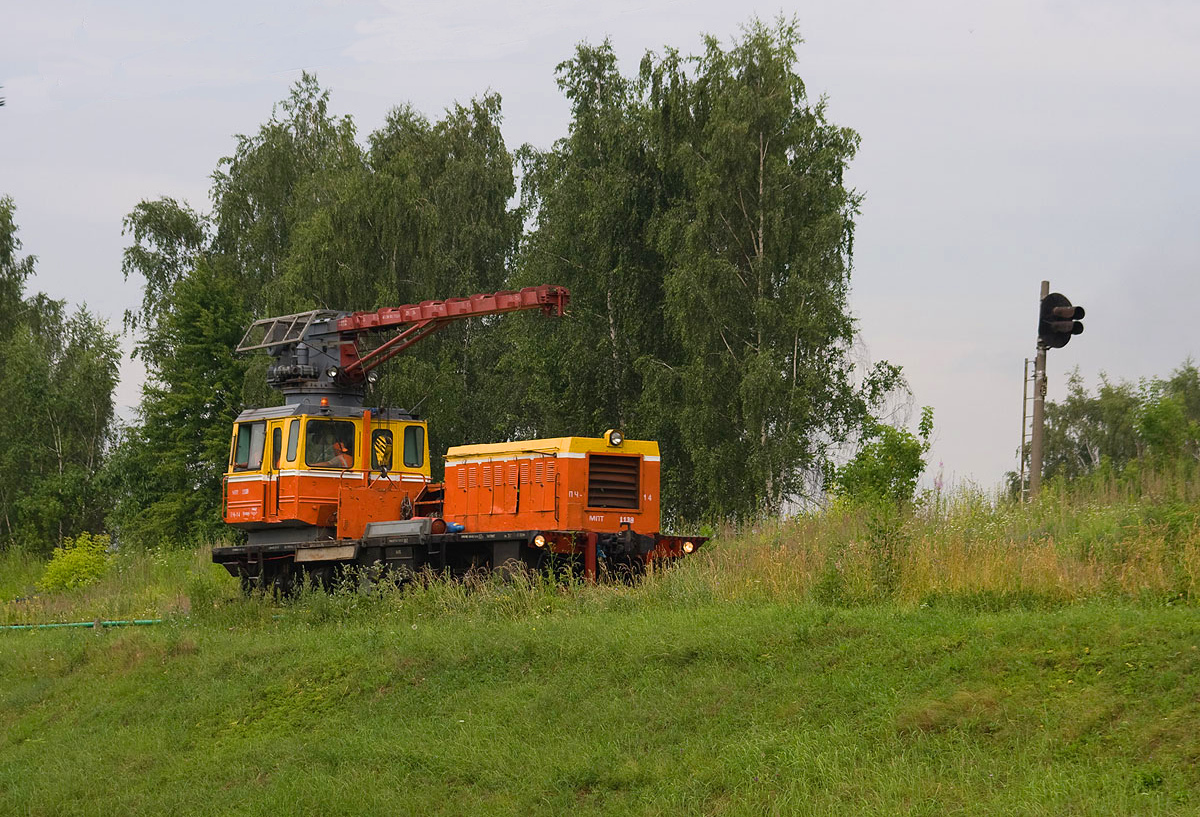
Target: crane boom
(423, 319)
(316, 353)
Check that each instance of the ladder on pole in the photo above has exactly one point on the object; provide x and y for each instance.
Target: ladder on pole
(1026, 432)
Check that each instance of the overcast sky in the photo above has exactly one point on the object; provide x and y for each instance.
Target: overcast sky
(1003, 143)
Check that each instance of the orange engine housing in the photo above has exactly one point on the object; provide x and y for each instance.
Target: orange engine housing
(564, 483)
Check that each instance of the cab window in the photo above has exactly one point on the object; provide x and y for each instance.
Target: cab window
(248, 447)
(381, 449)
(414, 446)
(329, 444)
(293, 439)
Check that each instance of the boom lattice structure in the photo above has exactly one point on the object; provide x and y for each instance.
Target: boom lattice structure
(322, 351)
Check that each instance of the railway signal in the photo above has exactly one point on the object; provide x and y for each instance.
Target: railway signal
(1058, 321)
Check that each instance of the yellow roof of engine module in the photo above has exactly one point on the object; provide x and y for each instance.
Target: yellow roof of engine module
(552, 446)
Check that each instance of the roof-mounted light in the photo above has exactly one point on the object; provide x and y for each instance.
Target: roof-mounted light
(614, 437)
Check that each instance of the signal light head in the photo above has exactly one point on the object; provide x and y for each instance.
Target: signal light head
(1058, 321)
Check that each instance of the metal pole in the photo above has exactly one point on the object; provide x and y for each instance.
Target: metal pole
(1022, 492)
(1039, 412)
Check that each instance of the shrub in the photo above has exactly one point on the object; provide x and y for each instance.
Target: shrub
(79, 562)
(887, 466)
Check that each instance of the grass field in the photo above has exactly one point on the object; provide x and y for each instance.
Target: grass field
(966, 660)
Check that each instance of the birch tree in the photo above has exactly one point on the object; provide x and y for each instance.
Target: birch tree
(58, 370)
(699, 213)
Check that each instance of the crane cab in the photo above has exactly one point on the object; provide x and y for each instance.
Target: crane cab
(296, 472)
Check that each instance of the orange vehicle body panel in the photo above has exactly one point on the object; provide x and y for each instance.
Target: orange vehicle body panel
(283, 491)
(379, 502)
(550, 485)
(324, 500)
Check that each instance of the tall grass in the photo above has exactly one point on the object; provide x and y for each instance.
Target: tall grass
(966, 550)
(141, 584)
(832, 663)
(1134, 537)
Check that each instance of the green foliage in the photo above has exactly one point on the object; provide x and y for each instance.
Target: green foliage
(1153, 421)
(304, 217)
(887, 465)
(78, 562)
(276, 178)
(168, 238)
(165, 472)
(445, 189)
(19, 571)
(699, 216)
(697, 212)
(141, 583)
(58, 370)
(1165, 426)
(879, 484)
(14, 271)
(760, 247)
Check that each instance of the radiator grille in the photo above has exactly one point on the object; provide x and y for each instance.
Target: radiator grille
(613, 481)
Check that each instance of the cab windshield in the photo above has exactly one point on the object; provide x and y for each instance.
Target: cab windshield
(329, 444)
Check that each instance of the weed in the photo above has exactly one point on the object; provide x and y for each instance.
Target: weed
(78, 562)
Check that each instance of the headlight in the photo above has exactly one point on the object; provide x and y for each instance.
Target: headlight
(688, 547)
(614, 436)
(539, 541)
(331, 372)
(372, 377)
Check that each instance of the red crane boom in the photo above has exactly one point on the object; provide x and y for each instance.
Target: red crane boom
(423, 319)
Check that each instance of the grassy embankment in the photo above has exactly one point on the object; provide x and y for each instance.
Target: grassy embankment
(971, 660)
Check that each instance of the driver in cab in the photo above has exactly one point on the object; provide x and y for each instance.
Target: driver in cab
(341, 457)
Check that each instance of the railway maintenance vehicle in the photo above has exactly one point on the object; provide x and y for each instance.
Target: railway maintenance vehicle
(323, 482)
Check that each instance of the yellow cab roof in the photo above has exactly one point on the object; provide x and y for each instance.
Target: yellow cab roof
(550, 447)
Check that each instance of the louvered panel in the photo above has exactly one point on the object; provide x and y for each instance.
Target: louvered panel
(613, 481)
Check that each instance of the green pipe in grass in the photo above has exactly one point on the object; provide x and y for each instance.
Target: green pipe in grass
(131, 622)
